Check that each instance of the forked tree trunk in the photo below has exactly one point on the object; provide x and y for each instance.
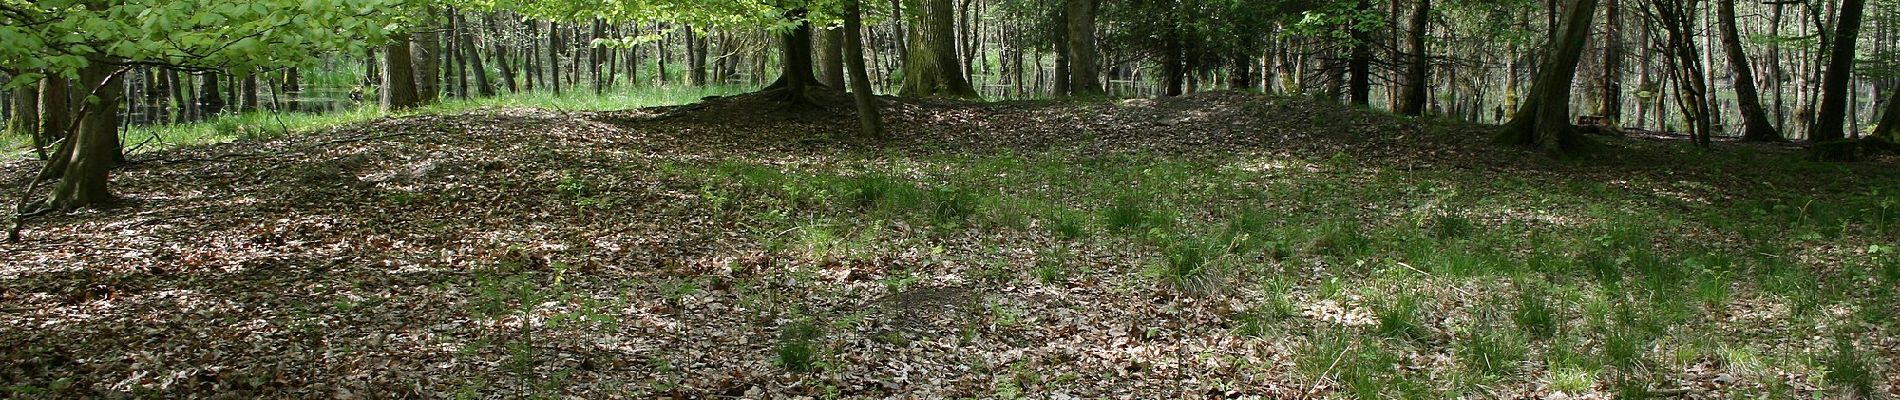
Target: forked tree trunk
(399, 76)
(1085, 76)
(1416, 69)
(1755, 125)
(1543, 120)
(931, 68)
(501, 54)
(1830, 120)
(861, 95)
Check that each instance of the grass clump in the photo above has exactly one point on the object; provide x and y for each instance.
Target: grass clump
(1399, 318)
(1535, 315)
(797, 349)
(1847, 369)
(1197, 264)
(952, 207)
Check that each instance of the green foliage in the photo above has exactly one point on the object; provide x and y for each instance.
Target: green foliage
(798, 347)
(1847, 368)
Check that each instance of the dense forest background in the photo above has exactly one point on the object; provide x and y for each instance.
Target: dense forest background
(1366, 199)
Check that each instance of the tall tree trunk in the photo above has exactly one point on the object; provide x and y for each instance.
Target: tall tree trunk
(931, 68)
(659, 49)
(1543, 121)
(1776, 74)
(831, 56)
(210, 99)
(1830, 120)
(1755, 125)
(247, 93)
(1059, 86)
(553, 65)
(56, 117)
(399, 75)
(861, 94)
(1416, 73)
(1085, 76)
(1360, 68)
(95, 146)
(473, 55)
(426, 48)
(1610, 100)
(696, 57)
(501, 55)
(1676, 18)
(1173, 68)
(598, 52)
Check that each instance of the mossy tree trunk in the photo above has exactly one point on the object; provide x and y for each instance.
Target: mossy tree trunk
(1542, 121)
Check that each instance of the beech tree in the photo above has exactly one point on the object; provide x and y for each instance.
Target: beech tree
(1543, 121)
(93, 43)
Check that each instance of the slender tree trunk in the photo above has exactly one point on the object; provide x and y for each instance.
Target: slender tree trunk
(25, 120)
(501, 55)
(931, 68)
(56, 117)
(1830, 120)
(1543, 121)
(861, 95)
(210, 99)
(696, 57)
(1085, 76)
(1755, 126)
(659, 49)
(1776, 74)
(1059, 85)
(473, 55)
(553, 65)
(399, 76)
(1610, 100)
(1360, 68)
(1416, 73)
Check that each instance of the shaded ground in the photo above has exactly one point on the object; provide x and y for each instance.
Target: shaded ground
(1217, 245)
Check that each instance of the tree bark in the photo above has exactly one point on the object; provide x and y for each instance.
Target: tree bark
(426, 47)
(247, 93)
(95, 146)
(830, 47)
(1360, 67)
(1830, 120)
(25, 120)
(474, 56)
(1889, 128)
(501, 55)
(795, 76)
(1543, 120)
(210, 99)
(1610, 100)
(399, 76)
(1085, 76)
(1755, 125)
(861, 95)
(931, 66)
(1416, 72)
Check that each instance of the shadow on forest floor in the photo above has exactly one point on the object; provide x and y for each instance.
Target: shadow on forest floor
(1220, 244)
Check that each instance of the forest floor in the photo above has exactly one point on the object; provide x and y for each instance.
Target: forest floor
(1218, 245)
